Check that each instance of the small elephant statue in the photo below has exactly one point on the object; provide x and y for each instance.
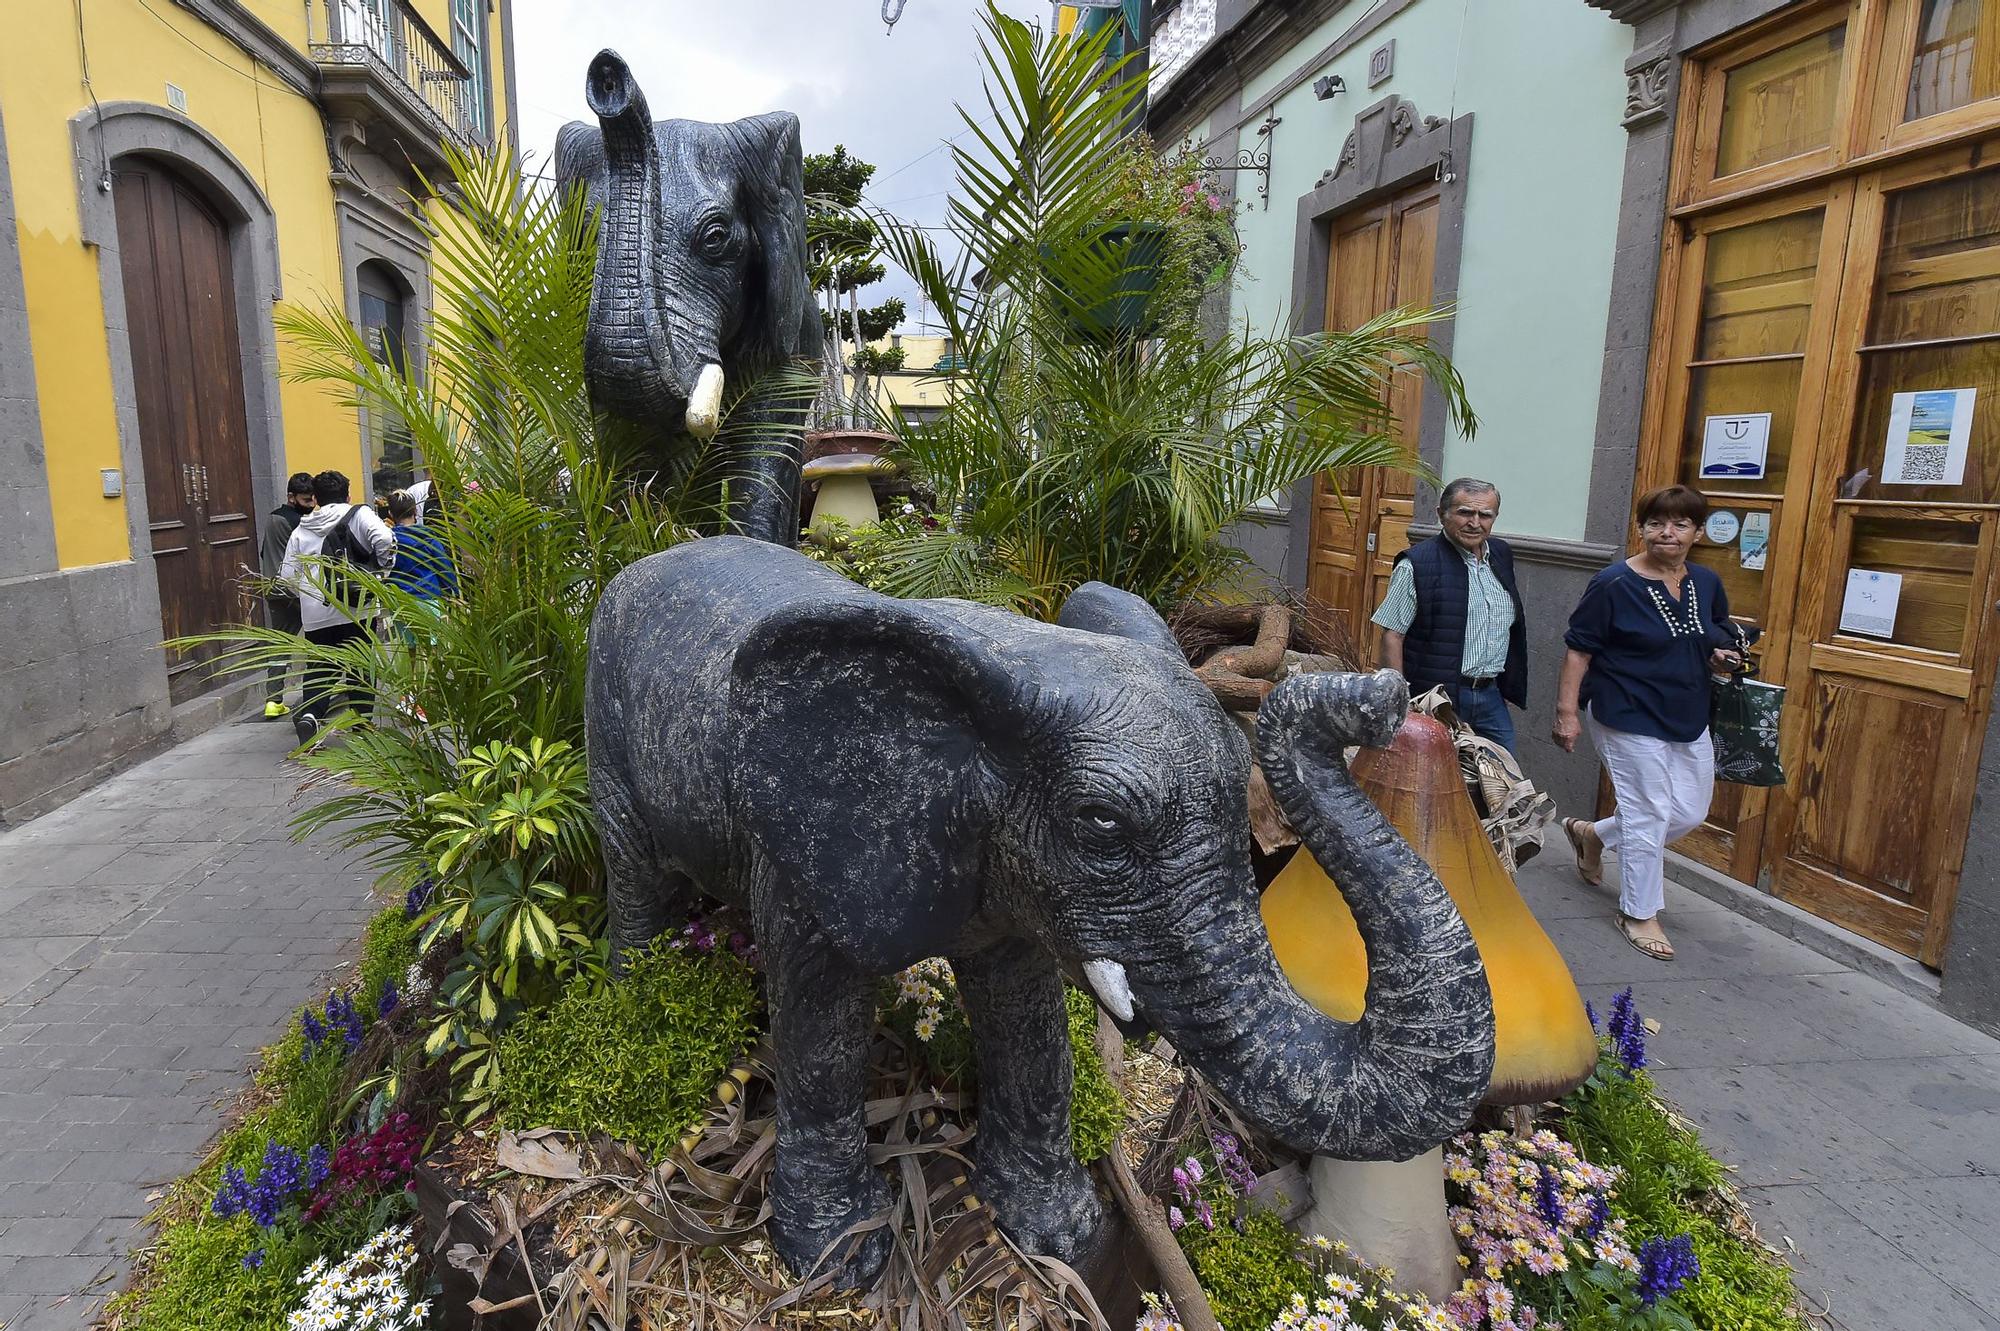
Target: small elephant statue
(701, 279)
(881, 781)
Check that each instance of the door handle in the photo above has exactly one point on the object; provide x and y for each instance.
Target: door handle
(204, 483)
(187, 483)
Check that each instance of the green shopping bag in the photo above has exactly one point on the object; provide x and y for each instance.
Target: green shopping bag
(1743, 725)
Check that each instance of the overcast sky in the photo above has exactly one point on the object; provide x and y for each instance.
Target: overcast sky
(888, 98)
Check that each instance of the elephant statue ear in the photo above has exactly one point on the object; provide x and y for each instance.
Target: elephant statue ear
(778, 292)
(864, 771)
(580, 160)
(1098, 607)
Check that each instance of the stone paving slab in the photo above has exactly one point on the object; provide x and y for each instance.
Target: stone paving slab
(157, 932)
(1860, 1122)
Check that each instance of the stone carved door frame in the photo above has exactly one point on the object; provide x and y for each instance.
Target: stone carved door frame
(1392, 152)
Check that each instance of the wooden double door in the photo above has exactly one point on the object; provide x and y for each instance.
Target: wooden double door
(187, 370)
(1379, 258)
(1827, 372)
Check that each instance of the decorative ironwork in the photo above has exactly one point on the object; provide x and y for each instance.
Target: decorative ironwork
(1256, 159)
(392, 38)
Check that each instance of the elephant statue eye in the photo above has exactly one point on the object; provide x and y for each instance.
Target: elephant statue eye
(1100, 821)
(712, 237)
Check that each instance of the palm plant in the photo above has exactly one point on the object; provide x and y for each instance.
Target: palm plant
(1067, 453)
(544, 503)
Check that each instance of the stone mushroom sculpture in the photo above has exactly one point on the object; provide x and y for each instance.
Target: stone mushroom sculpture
(1395, 1213)
(845, 491)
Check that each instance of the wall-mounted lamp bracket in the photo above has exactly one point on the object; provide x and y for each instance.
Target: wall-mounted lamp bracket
(1256, 159)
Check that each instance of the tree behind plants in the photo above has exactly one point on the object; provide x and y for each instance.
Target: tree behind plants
(1065, 453)
(844, 252)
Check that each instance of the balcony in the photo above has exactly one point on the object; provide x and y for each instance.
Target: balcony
(383, 69)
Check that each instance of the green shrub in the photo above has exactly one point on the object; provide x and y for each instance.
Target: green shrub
(1096, 1109)
(637, 1058)
(197, 1280)
(1668, 1188)
(388, 950)
(1250, 1274)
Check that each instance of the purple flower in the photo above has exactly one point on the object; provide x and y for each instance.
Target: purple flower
(1174, 1217)
(282, 1175)
(253, 1259)
(1591, 1013)
(1548, 1197)
(418, 897)
(341, 1016)
(1236, 1171)
(389, 1000)
(310, 1026)
(1204, 1213)
(1627, 1030)
(1664, 1266)
(234, 1194)
(1599, 1212)
(318, 1166)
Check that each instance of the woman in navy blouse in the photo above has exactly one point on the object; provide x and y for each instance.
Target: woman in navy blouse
(1643, 644)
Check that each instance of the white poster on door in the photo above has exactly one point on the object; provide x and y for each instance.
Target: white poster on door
(1870, 604)
(1929, 433)
(1756, 540)
(1733, 447)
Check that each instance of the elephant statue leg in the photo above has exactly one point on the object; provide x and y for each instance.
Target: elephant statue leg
(764, 498)
(1013, 995)
(646, 898)
(822, 1010)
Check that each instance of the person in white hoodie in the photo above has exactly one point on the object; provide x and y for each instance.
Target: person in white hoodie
(329, 622)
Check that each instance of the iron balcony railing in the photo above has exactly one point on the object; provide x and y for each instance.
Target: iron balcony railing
(393, 37)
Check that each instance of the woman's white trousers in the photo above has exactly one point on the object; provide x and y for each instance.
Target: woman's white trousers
(1663, 789)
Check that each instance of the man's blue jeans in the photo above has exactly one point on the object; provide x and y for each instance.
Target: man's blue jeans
(1486, 712)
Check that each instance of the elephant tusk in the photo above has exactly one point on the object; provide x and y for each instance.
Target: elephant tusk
(1107, 980)
(704, 409)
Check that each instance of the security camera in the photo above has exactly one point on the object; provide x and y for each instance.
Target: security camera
(1326, 85)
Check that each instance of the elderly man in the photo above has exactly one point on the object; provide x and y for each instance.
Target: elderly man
(1452, 615)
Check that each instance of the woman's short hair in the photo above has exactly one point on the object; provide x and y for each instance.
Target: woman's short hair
(1672, 501)
(402, 505)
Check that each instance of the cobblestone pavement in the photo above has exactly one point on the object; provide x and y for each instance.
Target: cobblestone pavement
(1860, 1121)
(154, 933)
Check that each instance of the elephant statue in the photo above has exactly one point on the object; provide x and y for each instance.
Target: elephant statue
(880, 781)
(701, 282)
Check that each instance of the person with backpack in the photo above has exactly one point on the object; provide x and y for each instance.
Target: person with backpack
(333, 607)
(281, 602)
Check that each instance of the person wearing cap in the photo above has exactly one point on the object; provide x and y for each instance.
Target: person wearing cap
(1452, 616)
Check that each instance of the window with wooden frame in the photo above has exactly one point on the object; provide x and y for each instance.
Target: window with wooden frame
(1826, 369)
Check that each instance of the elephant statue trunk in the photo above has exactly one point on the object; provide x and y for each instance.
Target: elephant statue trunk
(1411, 1071)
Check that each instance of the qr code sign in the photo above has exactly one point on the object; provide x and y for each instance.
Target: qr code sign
(1924, 462)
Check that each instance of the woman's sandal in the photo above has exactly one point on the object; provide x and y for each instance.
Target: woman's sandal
(1589, 851)
(1659, 949)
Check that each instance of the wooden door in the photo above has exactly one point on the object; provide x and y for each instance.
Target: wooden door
(1380, 258)
(1832, 274)
(1896, 640)
(180, 304)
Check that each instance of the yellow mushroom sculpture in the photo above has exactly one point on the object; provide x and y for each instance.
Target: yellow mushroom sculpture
(1394, 1213)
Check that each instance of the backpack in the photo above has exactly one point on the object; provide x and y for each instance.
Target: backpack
(342, 547)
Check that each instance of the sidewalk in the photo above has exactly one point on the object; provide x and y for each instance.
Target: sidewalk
(1861, 1122)
(153, 935)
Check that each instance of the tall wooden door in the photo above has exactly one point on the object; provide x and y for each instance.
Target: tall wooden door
(180, 304)
(1831, 292)
(1379, 259)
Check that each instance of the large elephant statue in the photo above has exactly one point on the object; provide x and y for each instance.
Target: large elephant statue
(881, 781)
(701, 282)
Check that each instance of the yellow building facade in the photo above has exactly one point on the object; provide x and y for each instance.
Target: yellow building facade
(170, 170)
(917, 391)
